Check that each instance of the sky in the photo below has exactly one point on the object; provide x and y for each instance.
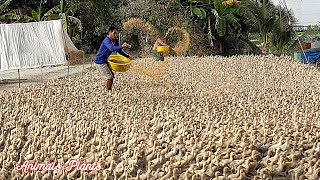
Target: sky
(306, 11)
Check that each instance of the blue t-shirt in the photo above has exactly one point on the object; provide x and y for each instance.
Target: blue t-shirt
(107, 48)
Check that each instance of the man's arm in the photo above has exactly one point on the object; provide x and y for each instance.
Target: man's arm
(123, 53)
(107, 42)
(159, 42)
(120, 51)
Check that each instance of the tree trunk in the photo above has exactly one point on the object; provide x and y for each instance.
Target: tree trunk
(265, 47)
(282, 50)
(210, 33)
(221, 48)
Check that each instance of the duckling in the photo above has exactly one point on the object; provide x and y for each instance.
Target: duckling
(211, 170)
(316, 173)
(217, 175)
(47, 176)
(275, 157)
(250, 164)
(235, 163)
(74, 174)
(30, 154)
(28, 177)
(203, 170)
(172, 153)
(242, 175)
(237, 174)
(119, 168)
(169, 173)
(296, 172)
(63, 176)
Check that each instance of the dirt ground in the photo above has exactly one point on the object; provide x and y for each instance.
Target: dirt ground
(10, 79)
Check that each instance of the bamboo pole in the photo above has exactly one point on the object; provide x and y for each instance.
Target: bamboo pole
(19, 77)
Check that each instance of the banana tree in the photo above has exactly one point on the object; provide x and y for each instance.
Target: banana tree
(13, 16)
(63, 12)
(219, 18)
(201, 9)
(200, 12)
(36, 14)
(227, 15)
(6, 15)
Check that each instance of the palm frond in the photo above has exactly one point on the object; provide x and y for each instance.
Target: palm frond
(35, 15)
(53, 17)
(77, 21)
(5, 5)
(24, 19)
(63, 6)
(9, 16)
(53, 10)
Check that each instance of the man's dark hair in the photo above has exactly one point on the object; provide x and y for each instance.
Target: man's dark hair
(112, 28)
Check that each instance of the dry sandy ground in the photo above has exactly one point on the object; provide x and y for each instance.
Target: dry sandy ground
(10, 80)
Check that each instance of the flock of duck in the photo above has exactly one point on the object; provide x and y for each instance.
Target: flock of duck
(241, 117)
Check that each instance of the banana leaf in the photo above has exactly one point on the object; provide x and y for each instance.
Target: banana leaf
(53, 17)
(54, 10)
(9, 16)
(5, 5)
(35, 15)
(222, 26)
(76, 21)
(24, 19)
(63, 6)
(194, 1)
(217, 5)
(200, 13)
(232, 18)
(64, 19)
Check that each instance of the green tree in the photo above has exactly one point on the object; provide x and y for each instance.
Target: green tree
(6, 14)
(96, 16)
(226, 17)
(26, 11)
(282, 33)
(64, 12)
(162, 15)
(312, 29)
(221, 22)
(36, 14)
(261, 15)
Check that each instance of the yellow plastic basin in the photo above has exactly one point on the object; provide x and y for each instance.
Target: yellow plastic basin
(119, 63)
(163, 49)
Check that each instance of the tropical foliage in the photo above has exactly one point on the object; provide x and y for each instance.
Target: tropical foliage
(216, 26)
(262, 17)
(282, 33)
(5, 14)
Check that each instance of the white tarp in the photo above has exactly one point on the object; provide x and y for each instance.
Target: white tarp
(68, 42)
(28, 45)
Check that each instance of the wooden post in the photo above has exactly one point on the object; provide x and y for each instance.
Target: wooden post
(19, 76)
(68, 66)
(41, 73)
(82, 63)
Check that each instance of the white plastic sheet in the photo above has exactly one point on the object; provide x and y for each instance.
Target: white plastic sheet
(28, 45)
(68, 43)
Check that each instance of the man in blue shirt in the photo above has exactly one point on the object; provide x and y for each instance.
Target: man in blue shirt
(109, 45)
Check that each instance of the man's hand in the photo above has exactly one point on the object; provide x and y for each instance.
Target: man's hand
(131, 58)
(126, 45)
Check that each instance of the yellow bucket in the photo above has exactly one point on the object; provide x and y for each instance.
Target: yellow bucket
(163, 49)
(119, 63)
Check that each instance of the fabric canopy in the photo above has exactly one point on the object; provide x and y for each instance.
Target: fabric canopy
(68, 43)
(310, 56)
(28, 45)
